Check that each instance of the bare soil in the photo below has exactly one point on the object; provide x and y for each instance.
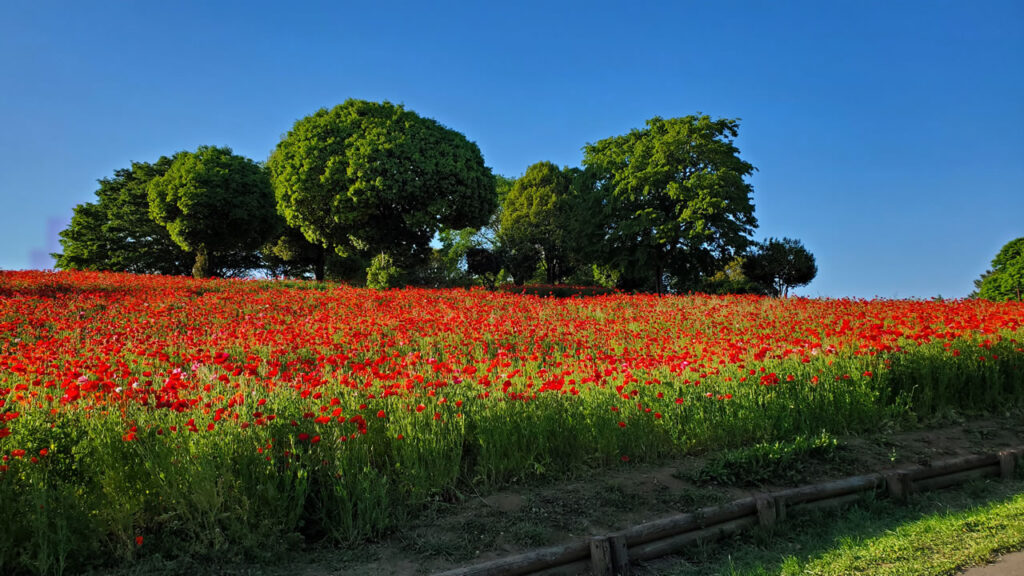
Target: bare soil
(479, 527)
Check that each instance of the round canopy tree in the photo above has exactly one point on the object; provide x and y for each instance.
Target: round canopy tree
(779, 265)
(213, 203)
(366, 178)
(116, 232)
(677, 202)
(1006, 279)
(536, 212)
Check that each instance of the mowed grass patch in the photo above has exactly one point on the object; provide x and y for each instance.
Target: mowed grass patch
(937, 533)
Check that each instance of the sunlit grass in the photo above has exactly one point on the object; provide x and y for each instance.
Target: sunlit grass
(937, 534)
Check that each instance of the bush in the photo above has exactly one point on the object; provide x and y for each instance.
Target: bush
(382, 273)
(768, 462)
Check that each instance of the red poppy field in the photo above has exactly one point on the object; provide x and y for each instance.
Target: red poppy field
(144, 415)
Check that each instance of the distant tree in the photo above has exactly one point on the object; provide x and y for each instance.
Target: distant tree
(536, 212)
(289, 254)
(365, 178)
(213, 203)
(483, 263)
(487, 235)
(1006, 279)
(779, 265)
(116, 233)
(447, 264)
(519, 259)
(676, 203)
(731, 280)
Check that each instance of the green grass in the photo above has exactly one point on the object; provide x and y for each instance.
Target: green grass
(937, 534)
(769, 462)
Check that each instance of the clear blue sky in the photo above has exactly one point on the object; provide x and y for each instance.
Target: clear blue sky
(889, 136)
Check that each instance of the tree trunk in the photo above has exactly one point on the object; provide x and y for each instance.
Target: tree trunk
(320, 266)
(201, 269)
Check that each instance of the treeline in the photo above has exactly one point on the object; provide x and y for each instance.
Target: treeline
(373, 193)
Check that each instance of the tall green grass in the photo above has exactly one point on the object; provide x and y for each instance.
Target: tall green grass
(257, 493)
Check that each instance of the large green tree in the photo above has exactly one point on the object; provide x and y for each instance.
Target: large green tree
(779, 265)
(365, 178)
(116, 233)
(1006, 279)
(535, 217)
(676, 201)
(214, 204)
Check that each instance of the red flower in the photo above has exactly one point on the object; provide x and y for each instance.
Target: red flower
(381, 414)
(5, 432)
(44, 452)
(138, 540)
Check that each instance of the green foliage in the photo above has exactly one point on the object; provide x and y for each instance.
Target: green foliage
(487, 236)
(675, 200)
(931, 381)
(978, 282)
(212, 203)
(447, 265)
(731, 280)
(502, 186)
(779, 265)
(382, 273)
(116, 233)
(483, 263)
(934, 534)
(291, 255)
(1006, 279)
(535, 214)
(519, 259)
(769, 462)
(366, 177)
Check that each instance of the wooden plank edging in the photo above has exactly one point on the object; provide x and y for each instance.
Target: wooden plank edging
(672, 525)
(611, 554)
(527, 562)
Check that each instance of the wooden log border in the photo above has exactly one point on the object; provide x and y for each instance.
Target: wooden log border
(612, 554)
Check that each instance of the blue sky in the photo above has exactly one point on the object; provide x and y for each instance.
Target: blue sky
(888, 136)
